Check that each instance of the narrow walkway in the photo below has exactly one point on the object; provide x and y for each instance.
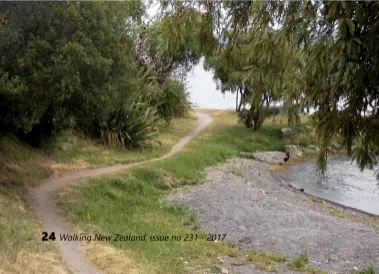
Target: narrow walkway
(44, 204)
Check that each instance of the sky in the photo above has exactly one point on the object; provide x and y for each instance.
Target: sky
(201, 86)
(203, 91)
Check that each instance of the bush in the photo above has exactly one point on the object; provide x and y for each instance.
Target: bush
(299, 262)
(304, 142)
(252, 118)
(64, 65)
(132, 126)
(368, 270)
(272, 111)
(173, 100)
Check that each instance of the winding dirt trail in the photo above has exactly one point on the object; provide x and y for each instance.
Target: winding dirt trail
(44, 204)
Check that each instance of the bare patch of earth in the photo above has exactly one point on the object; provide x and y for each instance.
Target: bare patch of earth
(257, 211)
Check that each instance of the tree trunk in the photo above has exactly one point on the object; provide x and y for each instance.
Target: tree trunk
(237, 108)
(241, 99)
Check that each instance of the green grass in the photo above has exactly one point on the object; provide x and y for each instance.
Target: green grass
(299, 262)
(367, 270)
(69, 147)
(25, 165)
(225, 142)
(127, 203)
(130, 202)
(21, 166)
(21, 249)
(304, 142)
(266, 261)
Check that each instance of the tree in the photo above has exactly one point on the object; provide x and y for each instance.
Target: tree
(339, 76)
(262, 75)
(64, 64)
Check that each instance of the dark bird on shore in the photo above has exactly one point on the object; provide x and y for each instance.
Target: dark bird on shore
(287, 157)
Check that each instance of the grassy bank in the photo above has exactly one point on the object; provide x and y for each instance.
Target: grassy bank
(21, 166)
(68, 152)
(131, 203)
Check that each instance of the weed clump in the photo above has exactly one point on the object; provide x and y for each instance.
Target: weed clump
(299, 262)
(367, 270)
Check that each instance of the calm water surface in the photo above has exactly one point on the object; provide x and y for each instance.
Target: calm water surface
(343, 183)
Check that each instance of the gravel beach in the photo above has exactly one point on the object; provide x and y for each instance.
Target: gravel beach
(242, 199)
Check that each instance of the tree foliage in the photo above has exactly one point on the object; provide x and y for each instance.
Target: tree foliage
(321, 54)
(74, 64)
(64, 62)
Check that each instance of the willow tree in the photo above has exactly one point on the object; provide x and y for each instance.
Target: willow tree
(340, 77)
(265, 68)
(168, 48)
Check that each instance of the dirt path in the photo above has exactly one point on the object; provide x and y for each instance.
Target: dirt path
(44, 204)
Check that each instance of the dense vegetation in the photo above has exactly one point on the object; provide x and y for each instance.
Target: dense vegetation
(74, 65)
(302, 54)
(92, 66)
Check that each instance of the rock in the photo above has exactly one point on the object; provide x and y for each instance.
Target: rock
(293, 150)
(65, 146)
(224, 270)
(242, 228)
(286, 131)
(248, 155)
(336, 146)
(270, 157)
(234, 261)
(309, 151)
(333, 258)
(246, 240)
(300, 129)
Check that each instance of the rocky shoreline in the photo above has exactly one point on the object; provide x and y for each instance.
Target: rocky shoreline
(245, 200)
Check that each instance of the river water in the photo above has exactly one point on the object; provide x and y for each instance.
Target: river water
(343, 183)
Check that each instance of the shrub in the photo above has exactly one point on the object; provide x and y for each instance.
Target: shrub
(131, 126)
(272, 111)
(74, 77)
(252, 118)
(368, 270)
(173, 100)
(304, 142)
(278, 258)
(299, 262)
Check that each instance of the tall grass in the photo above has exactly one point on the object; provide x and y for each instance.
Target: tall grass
(131, 202)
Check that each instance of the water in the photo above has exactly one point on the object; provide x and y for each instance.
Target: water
(343, 183)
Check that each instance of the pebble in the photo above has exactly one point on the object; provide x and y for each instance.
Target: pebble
(224, 271)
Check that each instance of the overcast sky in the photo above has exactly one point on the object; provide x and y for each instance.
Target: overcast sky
(203, 91)
(201, 86)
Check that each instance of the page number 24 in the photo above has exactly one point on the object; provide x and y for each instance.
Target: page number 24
(46, 237)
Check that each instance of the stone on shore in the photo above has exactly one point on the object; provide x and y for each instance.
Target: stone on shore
(336, 146)
(286, 131)
(293, 150)
(270, 157)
